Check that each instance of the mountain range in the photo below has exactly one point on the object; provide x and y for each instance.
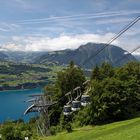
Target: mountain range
(85, 56)
(19, 56)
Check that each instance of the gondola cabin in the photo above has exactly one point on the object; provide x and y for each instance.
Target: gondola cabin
(76, 105)
(85, 100)
(67, 110)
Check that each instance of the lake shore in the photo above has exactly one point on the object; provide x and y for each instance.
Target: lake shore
(25, 86)
(8, 90)
(13, 104)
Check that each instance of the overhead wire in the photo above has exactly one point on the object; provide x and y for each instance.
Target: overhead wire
(87, 81)
(109, 42)
(135, 49)
(99, 51)
(106, 45)
(114, 38)
(125, 56)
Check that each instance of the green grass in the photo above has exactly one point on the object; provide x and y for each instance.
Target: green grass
(29, 73)
(124, 130)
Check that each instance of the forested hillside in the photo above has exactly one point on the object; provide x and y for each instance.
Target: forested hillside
(114, 95)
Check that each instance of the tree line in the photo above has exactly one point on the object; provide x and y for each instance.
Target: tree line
(114, 95)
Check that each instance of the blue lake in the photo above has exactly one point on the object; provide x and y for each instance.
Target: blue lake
(12, 105)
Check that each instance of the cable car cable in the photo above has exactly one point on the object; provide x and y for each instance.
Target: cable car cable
(115, 37)
(125, 56)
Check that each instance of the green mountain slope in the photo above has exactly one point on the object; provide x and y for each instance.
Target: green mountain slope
(137, 57)
(3, 56)
(124, 130)
(84, 56)
(18, 56)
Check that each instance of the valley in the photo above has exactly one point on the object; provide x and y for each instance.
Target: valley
(25, 70)
(15, 76)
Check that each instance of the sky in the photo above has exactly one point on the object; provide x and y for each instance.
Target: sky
(49, 25)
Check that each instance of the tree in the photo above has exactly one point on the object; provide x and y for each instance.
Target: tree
(96, 73)
(65, 123)
(70, 78)
(66, 81)
(116, 96)
(106, 70)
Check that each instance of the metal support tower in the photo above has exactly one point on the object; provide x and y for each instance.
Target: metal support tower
(41, 104)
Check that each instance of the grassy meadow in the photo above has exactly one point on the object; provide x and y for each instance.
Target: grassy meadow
(124, 130)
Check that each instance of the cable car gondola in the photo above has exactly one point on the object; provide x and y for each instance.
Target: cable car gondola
(76, 105)
(67, 110)
(85, 100)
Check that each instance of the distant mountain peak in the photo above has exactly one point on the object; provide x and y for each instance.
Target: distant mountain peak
(82, 54)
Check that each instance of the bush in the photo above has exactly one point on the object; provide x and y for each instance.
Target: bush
(53, 130)
(15, 131)
(68, 127)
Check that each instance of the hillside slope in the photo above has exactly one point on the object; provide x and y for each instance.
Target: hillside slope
(137, 57)
(18, 75)
(124, 130)
(83, 56)
(19, 56)
(3, 56)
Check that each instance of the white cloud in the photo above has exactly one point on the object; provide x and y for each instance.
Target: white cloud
(3, 30)
(82, 16)
(67, 42)
(136, 53)
(5, 27)
(134, 31)
(58, 43)
(114, 20)
(12, 47)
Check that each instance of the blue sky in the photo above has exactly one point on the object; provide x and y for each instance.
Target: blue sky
(45, 25)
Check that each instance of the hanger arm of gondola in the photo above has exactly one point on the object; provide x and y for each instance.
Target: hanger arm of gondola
(30, 100)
